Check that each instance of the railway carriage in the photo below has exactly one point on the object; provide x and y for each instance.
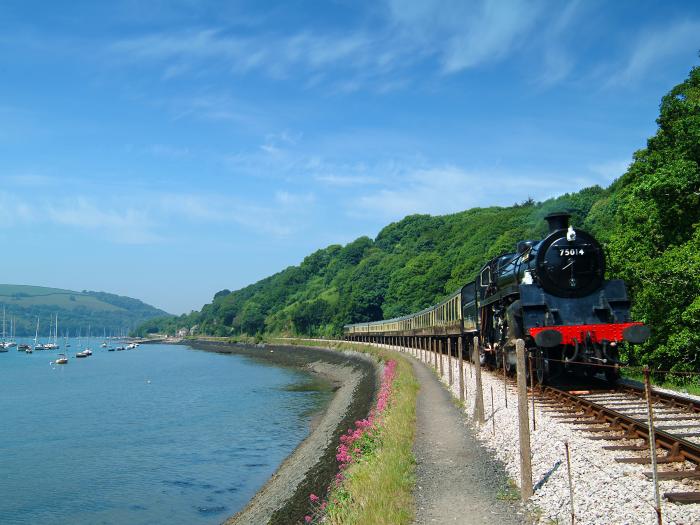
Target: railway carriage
(552, 293)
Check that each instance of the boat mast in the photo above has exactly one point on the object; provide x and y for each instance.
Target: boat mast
(36, 335)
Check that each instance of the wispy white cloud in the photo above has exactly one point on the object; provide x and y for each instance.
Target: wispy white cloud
(655, 47)
(466, 34)
(294, 199)
(379, 55)
(558, 59)
(148, 217)
(346, 180)
(610, 170)
(276, 55)
(448, 189)
(14, 211)
(33, 180)
(126, 225)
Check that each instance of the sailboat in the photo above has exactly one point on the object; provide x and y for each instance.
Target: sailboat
(52, 344)
(87, 349)
(13, 328)
(55, 334)
(3, 343)
(104, 338)
(24, 346)
(37, 346)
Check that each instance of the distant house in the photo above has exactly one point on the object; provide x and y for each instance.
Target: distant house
(193, 330)
(183, 332)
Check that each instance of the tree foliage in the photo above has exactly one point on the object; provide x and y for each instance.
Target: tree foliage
(647, 220)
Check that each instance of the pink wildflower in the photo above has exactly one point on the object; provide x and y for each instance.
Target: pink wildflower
(314, 498)
(307, 519)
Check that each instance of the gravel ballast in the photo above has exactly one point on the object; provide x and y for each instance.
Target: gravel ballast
(605, 492)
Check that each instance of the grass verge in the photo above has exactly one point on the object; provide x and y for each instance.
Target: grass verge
(681, 384)
(377, 488)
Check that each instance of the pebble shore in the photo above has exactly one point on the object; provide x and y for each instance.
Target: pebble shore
(284, 499)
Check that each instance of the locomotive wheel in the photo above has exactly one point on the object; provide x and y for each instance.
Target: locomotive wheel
(612, 375)
(590, 372)
(541, 367)
(510, 367)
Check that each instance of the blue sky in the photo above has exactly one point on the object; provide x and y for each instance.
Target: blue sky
(167, 150)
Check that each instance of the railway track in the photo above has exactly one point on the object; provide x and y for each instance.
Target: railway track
(620, 414)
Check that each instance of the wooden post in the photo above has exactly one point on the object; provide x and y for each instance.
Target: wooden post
(449, 359)
(571, 484)
(433, 348)
(505, 384)
(461, 369)
(493, 413)
(532, 391)
(523, 424)
(479, 400)
(652, 444)
(441, 347)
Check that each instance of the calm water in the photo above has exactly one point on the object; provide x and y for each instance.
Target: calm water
(160, 433)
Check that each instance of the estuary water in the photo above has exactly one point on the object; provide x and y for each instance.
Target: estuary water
(159, 434)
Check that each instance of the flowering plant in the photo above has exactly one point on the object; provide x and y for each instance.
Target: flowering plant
(355, 445)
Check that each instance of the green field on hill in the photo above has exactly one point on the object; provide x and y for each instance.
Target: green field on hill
(102, 311)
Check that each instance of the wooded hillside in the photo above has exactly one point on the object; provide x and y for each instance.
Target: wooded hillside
(648, 221)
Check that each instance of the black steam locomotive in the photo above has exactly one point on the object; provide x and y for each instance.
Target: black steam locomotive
(551, 293)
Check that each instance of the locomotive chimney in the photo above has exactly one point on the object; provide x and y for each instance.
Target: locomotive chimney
(558, 221)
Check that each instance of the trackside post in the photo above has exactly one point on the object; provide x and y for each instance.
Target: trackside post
(461, 368)
(479, 399)
(523, 424)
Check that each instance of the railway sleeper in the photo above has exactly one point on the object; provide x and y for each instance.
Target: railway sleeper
(597, 430)
(660, 460)
(674, 475)
(639, 448)
(683, 498)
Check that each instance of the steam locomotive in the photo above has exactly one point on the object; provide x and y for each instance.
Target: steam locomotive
(551, 293)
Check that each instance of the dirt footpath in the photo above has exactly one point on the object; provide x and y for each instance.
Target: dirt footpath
(457, 479)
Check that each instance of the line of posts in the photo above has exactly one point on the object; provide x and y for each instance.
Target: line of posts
(432, 351)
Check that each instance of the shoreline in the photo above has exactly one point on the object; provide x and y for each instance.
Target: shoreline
(311, 467)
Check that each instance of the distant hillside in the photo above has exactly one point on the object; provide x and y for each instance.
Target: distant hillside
(76, 310)
(648, 221)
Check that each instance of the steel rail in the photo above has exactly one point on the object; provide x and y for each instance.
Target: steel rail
(677, 447)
